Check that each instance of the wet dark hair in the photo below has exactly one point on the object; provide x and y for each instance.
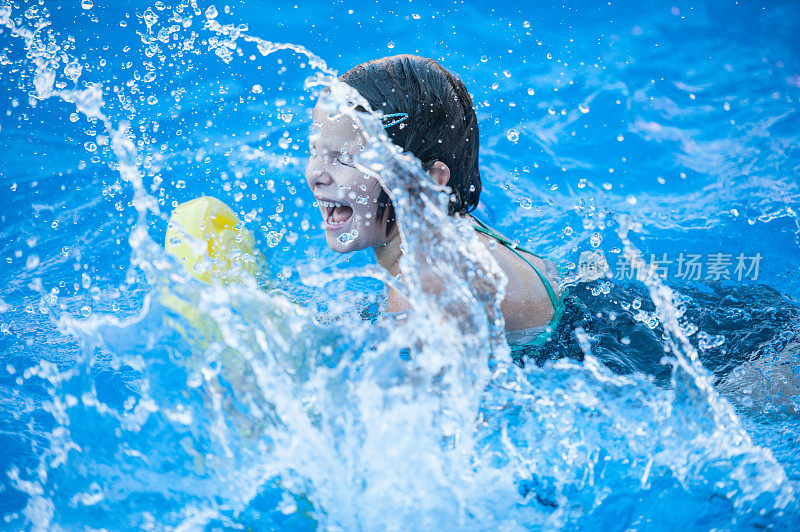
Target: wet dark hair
(441, 123)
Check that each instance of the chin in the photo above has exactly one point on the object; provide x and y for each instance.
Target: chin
(333, 242)
(368, 237)
(338, 247)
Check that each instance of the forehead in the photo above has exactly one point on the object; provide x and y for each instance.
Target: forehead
(335, 131)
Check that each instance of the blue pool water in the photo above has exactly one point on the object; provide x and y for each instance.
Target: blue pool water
(666, 131)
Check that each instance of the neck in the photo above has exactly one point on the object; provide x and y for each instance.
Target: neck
(388, 254)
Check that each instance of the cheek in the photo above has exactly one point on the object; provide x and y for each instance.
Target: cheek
(367, 195)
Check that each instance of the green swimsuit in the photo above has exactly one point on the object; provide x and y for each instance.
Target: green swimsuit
(557, 305)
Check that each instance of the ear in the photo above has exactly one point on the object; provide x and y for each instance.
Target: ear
(440, 173)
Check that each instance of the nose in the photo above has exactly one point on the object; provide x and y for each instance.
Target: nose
(316, 176)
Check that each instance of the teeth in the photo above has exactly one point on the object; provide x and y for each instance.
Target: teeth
(333, 204)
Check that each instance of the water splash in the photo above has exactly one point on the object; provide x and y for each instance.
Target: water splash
(349, 424)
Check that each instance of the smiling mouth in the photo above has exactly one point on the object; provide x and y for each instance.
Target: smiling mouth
(336, 214)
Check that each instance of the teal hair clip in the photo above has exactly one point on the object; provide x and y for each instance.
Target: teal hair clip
(398, 117)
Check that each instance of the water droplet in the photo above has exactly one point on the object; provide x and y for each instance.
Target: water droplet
(415, 16)
(595, 239)
(513, 135)
(150, 18)
(287, 505)
(211, 12)
(73, 70)
(531, 92)
(583, 108)
(526, 203)
(346, 238)
(32, 262)
(87, 4)
(90, 146)
(484, 59)
(257, 89)
(390, 45)
(273, 238)
(631, 199)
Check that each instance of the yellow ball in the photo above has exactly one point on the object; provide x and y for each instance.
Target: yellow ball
(209, 239)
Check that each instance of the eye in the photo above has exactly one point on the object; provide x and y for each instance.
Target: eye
(345, 158)
(331, 157)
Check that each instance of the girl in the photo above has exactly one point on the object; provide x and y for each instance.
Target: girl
(427, 112)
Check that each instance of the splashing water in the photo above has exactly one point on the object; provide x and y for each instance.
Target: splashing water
(346, 238)
(273, 402)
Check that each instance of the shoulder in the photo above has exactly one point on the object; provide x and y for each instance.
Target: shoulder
(527, 302)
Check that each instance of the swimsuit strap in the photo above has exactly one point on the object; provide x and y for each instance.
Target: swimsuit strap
(486, 230)
(558, 306)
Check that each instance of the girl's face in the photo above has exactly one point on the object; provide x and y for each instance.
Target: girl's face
(347, 198)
